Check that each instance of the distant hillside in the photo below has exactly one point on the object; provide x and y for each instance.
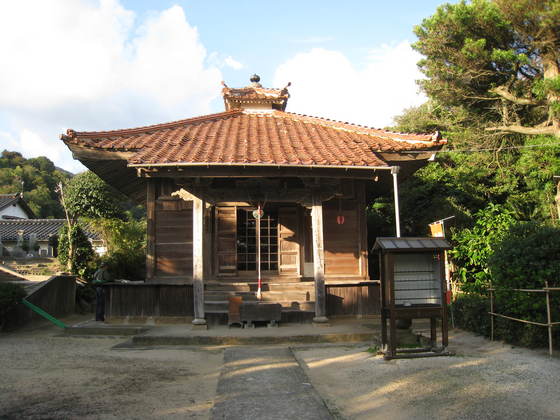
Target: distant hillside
(39, 177)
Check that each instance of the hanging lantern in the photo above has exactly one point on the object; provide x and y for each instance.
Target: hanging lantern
(340, 217)
(258, 214)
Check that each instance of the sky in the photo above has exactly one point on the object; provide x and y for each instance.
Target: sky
(94, 65)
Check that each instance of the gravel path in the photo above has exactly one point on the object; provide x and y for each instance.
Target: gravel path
(484, 380)
(45, 376)
(265, 383)
(48, 377)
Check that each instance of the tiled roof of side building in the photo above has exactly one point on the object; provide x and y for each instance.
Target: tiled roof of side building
(13, 199)
(43, 228)
(251, 137)
(8, 199)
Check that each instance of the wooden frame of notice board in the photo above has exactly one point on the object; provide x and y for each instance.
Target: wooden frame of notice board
(413, 286)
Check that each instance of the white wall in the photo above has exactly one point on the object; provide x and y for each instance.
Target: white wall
(14, 211)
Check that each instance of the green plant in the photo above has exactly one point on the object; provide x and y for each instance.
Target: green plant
(474, 246)
(83, 254)
(470, 312)
(527, 257)
(10, 295)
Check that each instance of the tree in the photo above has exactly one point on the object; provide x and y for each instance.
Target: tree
(74, 249)
(37, 178)
(474, 246)
(498, 60)
(87, 195)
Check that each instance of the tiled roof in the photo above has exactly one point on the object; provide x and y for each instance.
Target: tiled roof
(12, 199)
(8, 199)
(42, 227)
(240, 137)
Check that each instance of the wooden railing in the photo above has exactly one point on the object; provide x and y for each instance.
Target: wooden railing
(549, 324)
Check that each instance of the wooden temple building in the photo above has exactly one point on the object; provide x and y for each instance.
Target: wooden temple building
(202, 180)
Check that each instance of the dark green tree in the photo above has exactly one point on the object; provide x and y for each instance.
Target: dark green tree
(74, 249)
(498, 60)
(87, 195)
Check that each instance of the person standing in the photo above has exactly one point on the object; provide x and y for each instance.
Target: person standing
(100, 277)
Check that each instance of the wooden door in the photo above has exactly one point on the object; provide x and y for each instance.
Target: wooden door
(342, 241)
(288, 241)
(173, 238)
(226, 241)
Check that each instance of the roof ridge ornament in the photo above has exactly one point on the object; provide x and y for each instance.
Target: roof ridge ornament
(255, 79)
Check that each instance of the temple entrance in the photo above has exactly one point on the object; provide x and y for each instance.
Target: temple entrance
(247, 241)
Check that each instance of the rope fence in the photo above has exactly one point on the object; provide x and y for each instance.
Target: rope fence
(549, 324)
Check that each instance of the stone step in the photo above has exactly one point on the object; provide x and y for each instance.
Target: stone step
(222, 306)
(264, 279)
(266, 295)
(253, 286)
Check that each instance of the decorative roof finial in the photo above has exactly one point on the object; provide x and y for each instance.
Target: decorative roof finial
(255, 78)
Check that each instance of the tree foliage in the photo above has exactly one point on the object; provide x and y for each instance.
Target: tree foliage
(87, 195)
(39, 177)
(126, 246)
(498, 60)
(474, 246)
(75, 250)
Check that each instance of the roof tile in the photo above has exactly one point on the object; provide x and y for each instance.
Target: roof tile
(249, 137)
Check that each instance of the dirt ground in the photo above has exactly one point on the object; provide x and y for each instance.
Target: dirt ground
(44, 375)
(49, 377)
(485, 380)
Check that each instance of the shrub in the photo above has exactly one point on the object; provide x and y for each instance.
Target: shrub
(83, 254)
(470, 312)
(126, 246)
(527, 257)
(10, 295)
(474, 246)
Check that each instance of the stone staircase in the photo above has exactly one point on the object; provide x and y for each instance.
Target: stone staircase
(295, 296)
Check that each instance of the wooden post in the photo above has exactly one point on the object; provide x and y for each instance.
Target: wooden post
(557, 198)
(318, 259)
(198, 265)
(151, 228)
(548, 319)
(491, 315)
(394, 172)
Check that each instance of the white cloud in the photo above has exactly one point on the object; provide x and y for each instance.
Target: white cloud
(313, 40)
(234, 64)
(89, 65)
(325, 83)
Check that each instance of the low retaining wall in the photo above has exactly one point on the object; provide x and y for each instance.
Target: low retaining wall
(57, 297)
(360, 299)
(130, 301)
(140, 302)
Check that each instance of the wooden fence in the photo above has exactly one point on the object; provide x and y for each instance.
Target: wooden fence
(145, 300)
(549, 324)
(356, 299)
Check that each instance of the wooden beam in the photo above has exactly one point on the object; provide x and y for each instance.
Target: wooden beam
(198, 262)
(227, 171)
(318, 259)
(151, 229)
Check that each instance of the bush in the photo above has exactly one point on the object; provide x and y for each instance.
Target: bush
(83, 252)
(10, 295)
(470, 312)
(126, 246)
(475, 246)
(527, 257)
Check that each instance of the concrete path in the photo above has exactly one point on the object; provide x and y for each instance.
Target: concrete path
(265, 383)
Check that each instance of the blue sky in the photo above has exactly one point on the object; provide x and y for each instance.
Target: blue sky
(109, 64)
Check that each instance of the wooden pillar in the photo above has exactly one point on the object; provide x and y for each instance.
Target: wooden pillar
(318, 259)
(198, 263)
(151, 229)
